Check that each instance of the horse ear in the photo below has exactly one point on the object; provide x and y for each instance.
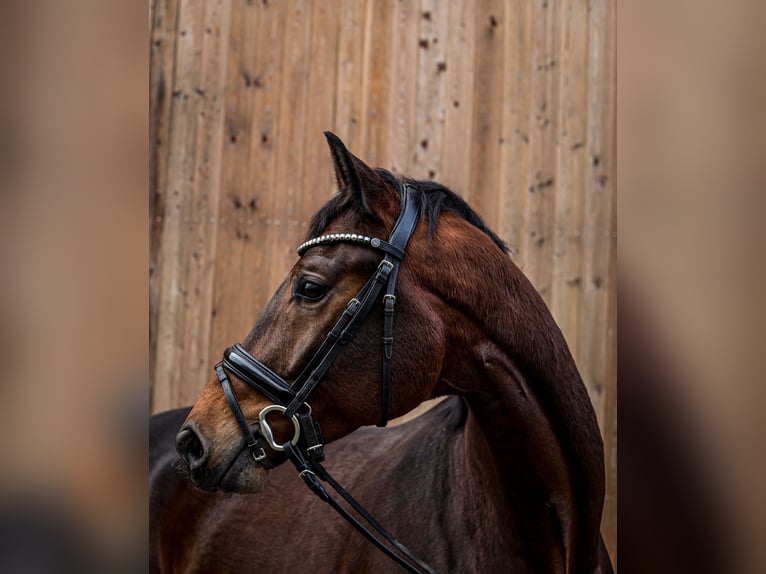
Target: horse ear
(344, 163)
(353, 175)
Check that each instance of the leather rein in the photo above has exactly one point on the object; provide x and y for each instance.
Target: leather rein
(306, 448)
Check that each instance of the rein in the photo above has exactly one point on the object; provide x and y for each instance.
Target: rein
(306, 448)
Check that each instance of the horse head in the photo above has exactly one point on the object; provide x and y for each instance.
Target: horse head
(304, 309)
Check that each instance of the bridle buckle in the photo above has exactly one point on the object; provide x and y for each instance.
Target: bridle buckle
(258, 454)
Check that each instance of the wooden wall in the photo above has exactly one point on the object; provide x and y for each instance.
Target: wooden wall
(511, 104)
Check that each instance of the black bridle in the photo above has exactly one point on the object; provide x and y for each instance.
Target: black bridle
(306, 448)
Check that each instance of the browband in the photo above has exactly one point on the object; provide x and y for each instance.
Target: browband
(384, 246)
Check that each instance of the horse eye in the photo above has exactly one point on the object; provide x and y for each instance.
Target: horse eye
(311, 290)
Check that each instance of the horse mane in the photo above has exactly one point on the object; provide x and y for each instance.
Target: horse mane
(432, 199)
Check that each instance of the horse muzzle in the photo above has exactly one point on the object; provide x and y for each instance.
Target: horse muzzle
(237, 473)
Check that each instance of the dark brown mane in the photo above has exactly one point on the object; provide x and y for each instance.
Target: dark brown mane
(432, 198)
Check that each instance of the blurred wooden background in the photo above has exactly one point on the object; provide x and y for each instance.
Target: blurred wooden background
(510, 104)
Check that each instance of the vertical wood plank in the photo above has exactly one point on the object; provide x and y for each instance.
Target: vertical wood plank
(402, 92)
(237, 203)
(239, 304)
(537, 242)
(291, 151)
(350, 73)
(375, 85)
(517, 92)
(458, 121)
(318, 178)
(188, 242)
(490, 29)
(268, 106)
(570, 176)
(430, 107)
(596, 338)
(163, 40)
(163, 37)
(598, 242)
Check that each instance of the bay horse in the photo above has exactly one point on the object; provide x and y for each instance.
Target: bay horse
(505, 475)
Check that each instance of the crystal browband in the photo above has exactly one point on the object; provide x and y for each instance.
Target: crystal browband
(337, 237)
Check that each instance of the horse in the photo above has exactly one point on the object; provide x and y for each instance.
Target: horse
(505, 474)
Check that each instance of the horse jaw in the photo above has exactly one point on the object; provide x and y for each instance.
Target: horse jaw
(251, 479)
(242, 476)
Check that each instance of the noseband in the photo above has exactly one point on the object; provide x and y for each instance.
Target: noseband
(306, 448)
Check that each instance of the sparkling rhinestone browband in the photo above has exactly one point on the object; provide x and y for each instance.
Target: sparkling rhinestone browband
(337, 237)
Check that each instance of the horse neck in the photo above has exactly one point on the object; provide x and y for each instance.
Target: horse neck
(531, 420)
(518, 465)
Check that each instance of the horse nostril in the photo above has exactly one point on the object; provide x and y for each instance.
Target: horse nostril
(191, 447)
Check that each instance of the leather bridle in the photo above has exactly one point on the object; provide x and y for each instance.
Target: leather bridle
(306, 448)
